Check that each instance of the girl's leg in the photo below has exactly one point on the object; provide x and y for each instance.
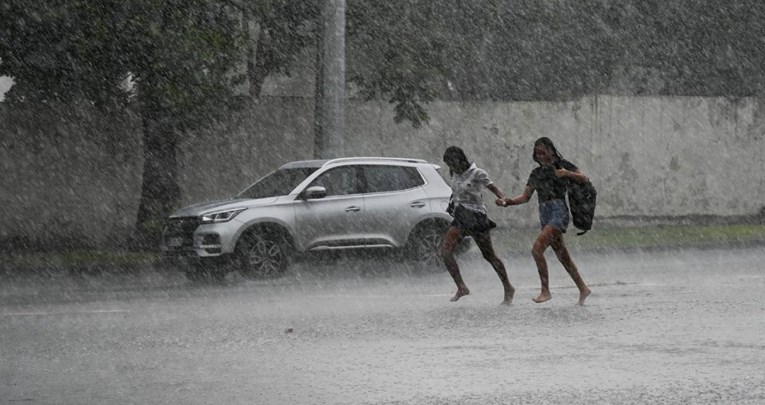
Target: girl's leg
(487, 249)
(544, 239)
(561, 251)
(451, 239)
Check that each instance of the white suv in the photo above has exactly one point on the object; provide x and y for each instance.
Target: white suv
(347, 203)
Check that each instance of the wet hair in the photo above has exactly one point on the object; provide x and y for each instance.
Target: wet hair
(456, 156)
(546, 142)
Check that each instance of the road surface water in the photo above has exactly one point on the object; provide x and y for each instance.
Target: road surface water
(660, 327)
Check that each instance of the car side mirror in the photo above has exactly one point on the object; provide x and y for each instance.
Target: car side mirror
(313, 192)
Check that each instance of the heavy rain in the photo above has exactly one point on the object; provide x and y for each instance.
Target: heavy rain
(251, 202)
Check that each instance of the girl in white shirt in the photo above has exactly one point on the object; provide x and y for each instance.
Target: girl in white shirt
(469, 212)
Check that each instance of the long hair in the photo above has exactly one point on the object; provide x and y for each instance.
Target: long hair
(546, 142)
(455, 157)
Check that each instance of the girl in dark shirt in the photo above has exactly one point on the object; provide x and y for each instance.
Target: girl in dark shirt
(549, 180)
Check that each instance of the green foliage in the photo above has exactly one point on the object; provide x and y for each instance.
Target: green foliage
(412, 52)
(182, 54)
(711, 48)
(175, 58)
(60, 50)
(397, 52)
(283, 28)
(186, 56)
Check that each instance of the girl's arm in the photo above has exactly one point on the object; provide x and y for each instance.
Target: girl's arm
(521, 199)
(577, 176)
(494, 189)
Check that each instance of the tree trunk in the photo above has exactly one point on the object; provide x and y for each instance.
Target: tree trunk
(252, 38)
(257, 70)
(329, 107)
(160, 192)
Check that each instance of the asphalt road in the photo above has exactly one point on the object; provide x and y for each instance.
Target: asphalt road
(661, 327)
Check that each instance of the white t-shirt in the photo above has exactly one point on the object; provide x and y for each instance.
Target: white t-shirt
(467, 188)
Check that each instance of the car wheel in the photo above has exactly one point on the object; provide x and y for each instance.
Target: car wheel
(425, 245)
(262, 255)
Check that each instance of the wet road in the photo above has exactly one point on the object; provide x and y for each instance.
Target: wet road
(662, 327)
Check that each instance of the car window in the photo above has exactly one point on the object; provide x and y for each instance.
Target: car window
(391, 178)
(339, 181)
(277, 183)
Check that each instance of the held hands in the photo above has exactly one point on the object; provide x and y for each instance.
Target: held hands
(502, 202)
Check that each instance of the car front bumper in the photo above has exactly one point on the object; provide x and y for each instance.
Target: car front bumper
(186, 236)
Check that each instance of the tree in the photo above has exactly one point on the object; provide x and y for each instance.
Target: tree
(177, 62)
(183, 55)
(692, 48)
(413, 52)
(397, 51)
(60, 51)
(276, 32)
(180, 56)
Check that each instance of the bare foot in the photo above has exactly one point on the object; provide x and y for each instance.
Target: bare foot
(583, 295)
(508, 296)
(460, 293)
(544, 296)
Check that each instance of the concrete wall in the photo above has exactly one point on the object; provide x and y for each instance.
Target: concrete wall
(58, 183)
(648, 157)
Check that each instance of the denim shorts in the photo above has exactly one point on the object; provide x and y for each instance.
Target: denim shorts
(555, 214)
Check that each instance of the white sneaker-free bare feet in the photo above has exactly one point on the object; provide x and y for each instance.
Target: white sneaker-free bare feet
(461, 292)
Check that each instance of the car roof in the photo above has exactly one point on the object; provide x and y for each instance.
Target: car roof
(323, 162)
(303, 163)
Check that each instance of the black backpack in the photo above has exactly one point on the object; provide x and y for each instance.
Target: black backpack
(581, 202)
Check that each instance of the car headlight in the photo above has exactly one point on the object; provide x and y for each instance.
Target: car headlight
(220, 216)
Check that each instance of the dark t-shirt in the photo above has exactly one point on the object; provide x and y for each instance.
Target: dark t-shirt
(548, 186)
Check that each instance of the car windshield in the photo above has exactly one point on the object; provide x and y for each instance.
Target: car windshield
(280, 182)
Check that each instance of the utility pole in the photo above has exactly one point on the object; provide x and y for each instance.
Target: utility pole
(329, 102)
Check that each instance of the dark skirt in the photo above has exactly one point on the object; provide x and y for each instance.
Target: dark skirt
(470, 222)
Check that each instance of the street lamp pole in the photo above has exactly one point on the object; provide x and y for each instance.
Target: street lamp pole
(329, 103)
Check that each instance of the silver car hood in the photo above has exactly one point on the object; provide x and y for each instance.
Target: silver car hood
(196, 210)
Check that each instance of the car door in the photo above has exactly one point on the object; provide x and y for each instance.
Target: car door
(394, 201)
(333, 220)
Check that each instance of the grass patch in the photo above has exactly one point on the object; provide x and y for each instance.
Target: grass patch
(515, 240)
(679, 236)
(77, 259)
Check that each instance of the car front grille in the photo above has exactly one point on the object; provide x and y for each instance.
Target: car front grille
(183, 228)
